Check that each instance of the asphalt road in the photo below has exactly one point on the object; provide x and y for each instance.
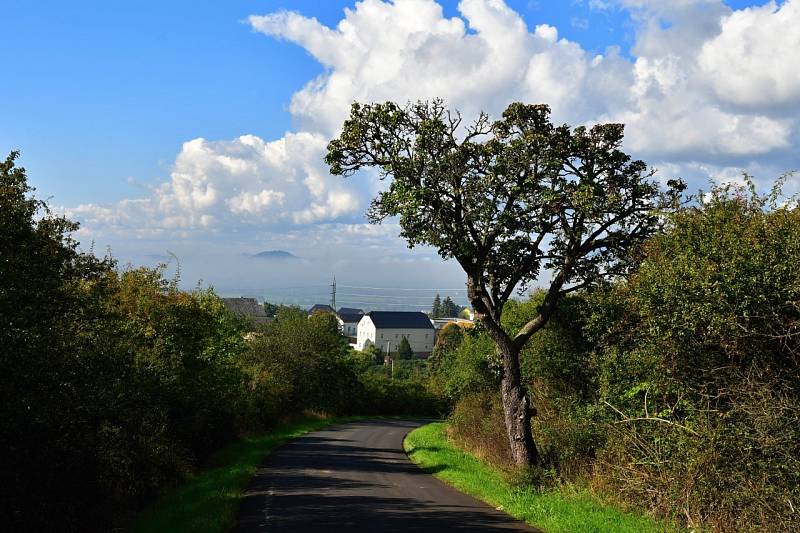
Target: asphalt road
(356, 477)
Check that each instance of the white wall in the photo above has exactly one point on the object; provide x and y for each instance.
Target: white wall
(365, 333)
(421, 340)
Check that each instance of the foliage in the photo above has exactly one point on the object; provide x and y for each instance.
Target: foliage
(449, 308)
(556, 366)
(404, 350)
(361, 361)
(444, 308)
(400, 395)
(375, 352)
(560, 509)
(448, 338)
(436, 308)
(506, 201)
(117, 384)
(300, 362)
(114, 383)
(677, 390)
(273, 309)
(699, 365)
(466, 367)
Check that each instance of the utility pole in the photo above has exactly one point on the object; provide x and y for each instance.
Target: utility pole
(391, 359)
(333, 294)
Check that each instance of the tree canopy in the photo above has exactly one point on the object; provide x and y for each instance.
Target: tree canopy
(404, 350)
(436, 308)
(506, 199)
(513, 201)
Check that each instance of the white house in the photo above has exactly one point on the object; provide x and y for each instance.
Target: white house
(386, 328)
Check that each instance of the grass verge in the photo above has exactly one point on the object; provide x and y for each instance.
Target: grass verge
(563, 509)
(207, 502)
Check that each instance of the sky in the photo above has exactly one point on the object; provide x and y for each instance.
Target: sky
(196, 130)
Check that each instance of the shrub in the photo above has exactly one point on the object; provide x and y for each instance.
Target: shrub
(477, 424)
(699, 369)
(386, 396)
(404, 349)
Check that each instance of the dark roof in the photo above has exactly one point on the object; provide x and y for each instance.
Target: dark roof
(350, 317)
(321, 308)
(400, 320)
(350, 311)
(248, 307)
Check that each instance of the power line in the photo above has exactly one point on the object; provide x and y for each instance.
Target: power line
(401, 289)
(386, 296)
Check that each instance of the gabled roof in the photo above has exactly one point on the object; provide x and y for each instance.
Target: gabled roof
(350, 317)
(321, 308)
(400, 320)
(350, 311)
(247, 307)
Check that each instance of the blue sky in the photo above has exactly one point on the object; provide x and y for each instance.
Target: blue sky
(106, 91)
(101, 97)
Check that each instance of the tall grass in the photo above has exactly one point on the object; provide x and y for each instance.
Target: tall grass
(564, 509)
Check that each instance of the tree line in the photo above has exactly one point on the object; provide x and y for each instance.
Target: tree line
(116, 383)
(446, 308)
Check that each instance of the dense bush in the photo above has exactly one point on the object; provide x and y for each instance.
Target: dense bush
(677, 389)
(117, 383)
(698, 357)
(411, 396)
(299, 362)
(477, 424)
(114, 384)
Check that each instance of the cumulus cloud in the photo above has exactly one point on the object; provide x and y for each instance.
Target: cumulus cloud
(753, 61)
(672, 95)
(224, 184)
(705, 88)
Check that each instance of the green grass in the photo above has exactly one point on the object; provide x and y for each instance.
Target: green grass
(564, 509)
(208, 501)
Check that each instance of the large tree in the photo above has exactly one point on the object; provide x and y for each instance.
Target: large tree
(436, 308)
(515, 201)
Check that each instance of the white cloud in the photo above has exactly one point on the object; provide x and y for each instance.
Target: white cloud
(408, 50)
(255, 202)
(755, 59)
(706, 87)
(224, 184)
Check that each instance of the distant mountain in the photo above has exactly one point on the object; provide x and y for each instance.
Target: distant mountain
(274, 255)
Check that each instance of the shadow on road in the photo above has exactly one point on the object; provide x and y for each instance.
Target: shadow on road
(355, 477)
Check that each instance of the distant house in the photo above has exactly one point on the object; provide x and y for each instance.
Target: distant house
(386, 328)
(348, 320)
(321, 308)
(248, 308)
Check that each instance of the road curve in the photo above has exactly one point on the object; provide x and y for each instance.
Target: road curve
(356, 477)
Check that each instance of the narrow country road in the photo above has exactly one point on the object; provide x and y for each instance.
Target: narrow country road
(356, 477)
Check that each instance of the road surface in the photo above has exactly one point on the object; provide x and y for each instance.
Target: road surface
(356, 477)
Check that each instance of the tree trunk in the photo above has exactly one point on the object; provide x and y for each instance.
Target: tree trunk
(517, 409)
